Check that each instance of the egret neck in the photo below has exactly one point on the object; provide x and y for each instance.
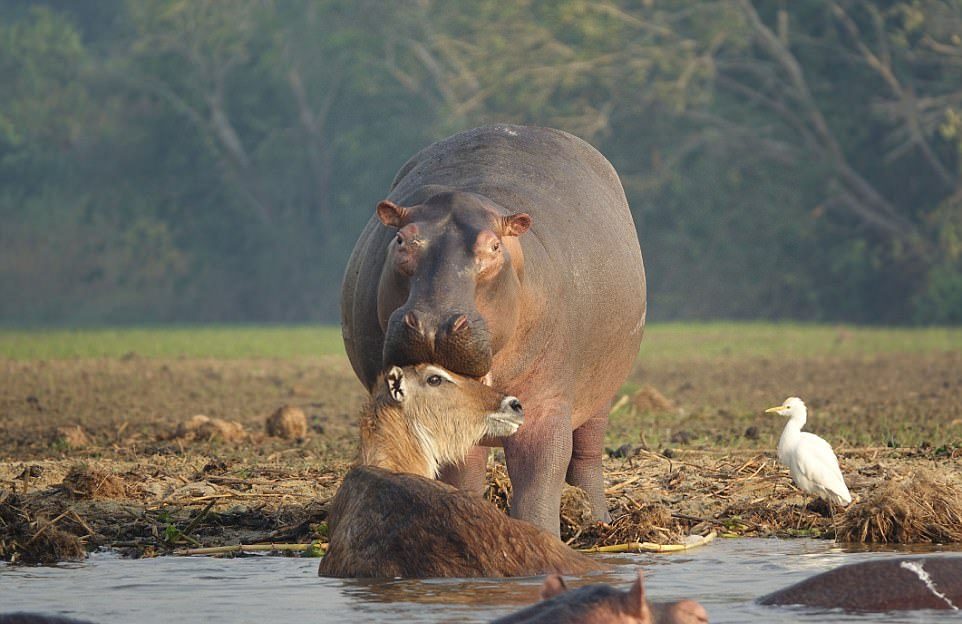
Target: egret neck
(792, 430)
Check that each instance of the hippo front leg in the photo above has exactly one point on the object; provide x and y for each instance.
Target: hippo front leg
(586, 467)
(537, 457)
(469, 474)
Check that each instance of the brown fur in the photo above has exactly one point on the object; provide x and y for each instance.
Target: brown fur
(390, 518)
(450, 418)
(385, 524)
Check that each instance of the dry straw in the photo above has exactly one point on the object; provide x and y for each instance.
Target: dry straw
(924, 506)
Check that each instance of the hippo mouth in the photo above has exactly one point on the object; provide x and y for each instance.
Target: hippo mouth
(462, 346)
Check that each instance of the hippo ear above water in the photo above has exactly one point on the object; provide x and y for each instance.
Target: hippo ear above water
(516, 224)
(635, 602)
(553, 585)
(392, 215)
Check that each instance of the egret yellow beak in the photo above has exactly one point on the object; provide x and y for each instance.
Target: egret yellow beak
(774, 409)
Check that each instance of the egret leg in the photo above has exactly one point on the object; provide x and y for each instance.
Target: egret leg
(831, 509)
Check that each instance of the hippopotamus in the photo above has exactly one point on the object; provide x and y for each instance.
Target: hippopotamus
(37, 618)
(603, 604)
(900, 584)
(507, 253)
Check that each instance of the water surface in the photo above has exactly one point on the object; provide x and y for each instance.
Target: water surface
(726, 576)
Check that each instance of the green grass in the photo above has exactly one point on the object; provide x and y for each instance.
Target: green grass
(213, 341)
(729, 339)
(662, 341)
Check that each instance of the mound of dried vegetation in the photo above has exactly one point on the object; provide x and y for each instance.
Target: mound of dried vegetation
(923, 506)
(29, 538)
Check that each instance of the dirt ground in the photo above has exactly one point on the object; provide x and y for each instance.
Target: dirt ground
(90, 456)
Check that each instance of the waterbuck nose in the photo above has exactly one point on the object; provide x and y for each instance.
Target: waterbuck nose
(513, 405)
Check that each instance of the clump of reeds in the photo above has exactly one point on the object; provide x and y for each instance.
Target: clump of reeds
(575, 512)
(921, 507)
(288, 422)
(204, 429)
(651, 522)
(497, 488)
(649, 399)
(85, 482)
(28, 538)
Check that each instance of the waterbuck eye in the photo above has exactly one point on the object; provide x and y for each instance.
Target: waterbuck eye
(435, 380)
(399, 240)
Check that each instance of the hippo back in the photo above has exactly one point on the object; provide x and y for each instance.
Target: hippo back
(875, 586)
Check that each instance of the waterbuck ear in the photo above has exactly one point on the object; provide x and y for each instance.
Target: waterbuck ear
(396, 384)
(635, 602)
(516, 224)
(553, 585)
(392, 215)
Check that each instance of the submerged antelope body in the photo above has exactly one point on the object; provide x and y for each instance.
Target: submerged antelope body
(390, 518)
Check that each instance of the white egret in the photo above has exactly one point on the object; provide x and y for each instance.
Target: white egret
(810, 459)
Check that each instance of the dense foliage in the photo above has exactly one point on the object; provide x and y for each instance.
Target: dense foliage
(201, 160)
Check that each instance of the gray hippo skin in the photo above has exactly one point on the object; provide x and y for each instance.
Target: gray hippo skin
(876, 586)
(508, 253)
(37, 618)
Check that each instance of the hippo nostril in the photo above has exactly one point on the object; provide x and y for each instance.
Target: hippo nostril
(411, 320)
(459, 323)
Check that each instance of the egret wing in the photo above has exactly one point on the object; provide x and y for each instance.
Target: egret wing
(816, 461)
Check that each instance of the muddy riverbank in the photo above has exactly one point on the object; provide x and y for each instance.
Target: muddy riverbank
(90, 456)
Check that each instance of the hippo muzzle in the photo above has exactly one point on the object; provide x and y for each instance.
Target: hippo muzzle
(458, 341)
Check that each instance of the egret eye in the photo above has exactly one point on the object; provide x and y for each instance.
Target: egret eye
(435, 380)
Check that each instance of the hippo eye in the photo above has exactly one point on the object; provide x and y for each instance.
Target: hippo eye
(435, 380)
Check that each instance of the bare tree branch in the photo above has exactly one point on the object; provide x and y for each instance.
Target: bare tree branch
(908, 108)
(861, 197)
(318, 152)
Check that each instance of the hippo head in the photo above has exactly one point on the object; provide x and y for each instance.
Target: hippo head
(450, 285)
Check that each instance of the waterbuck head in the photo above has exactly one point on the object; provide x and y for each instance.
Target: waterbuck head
(422, 416)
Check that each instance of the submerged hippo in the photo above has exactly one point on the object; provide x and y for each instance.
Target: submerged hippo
(603, 604)
(37, 618)
(887, 585)
(508, 253)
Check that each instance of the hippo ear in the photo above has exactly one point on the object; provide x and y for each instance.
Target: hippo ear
(516, 224)
(391, 214)
(635, 602)
(395, 384)
(553, 585)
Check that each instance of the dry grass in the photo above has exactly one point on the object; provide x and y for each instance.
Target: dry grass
(84, 482)
(26, 537)
(288, 422)
(892, 418)
(922, 506)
